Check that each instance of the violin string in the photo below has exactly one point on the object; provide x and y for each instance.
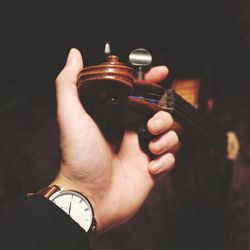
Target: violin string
(160, 106)
(195, 112)
(201, 116)
(153, 94)
(152, 101)
(210, 135)
(194, 119)
(205, 130)
(198, 123)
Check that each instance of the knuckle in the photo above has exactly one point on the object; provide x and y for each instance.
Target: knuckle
(59, 78)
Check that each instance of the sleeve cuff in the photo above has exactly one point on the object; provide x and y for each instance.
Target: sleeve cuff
(37, 223)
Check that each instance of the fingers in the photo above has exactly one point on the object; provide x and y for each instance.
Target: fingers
(162, 164)
(160, 123)
(156, 74)
(164, 144)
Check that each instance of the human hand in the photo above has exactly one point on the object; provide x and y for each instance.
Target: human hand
(117, 183)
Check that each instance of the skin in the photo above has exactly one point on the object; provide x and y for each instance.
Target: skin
(117, 183)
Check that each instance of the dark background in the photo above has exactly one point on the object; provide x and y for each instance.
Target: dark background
(209, 40)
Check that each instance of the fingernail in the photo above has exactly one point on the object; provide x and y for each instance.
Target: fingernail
(155, 166)
(70, 56)
(158, 123)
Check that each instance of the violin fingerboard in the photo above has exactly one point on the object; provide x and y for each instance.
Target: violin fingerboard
(201, 126)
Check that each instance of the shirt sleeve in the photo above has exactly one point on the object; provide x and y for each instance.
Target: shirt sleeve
(35, 223)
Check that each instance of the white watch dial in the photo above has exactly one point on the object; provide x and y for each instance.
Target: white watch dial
(76, 206)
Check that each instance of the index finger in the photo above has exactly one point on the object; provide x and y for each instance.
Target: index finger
(156, 74)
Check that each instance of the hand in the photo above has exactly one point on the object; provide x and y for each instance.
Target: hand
(117, 183)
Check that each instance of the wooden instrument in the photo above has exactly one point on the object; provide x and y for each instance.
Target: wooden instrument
(118, 95)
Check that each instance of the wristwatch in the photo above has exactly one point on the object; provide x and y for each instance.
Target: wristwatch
(74, 203)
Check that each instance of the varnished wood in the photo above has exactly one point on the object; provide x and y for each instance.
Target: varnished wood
(111, 75)
(114, 84)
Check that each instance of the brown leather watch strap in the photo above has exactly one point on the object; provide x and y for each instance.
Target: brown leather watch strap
(46, 192)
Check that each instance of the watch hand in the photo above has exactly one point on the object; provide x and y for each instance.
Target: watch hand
(70, 204)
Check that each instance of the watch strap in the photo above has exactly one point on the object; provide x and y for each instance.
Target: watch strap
(48, 191)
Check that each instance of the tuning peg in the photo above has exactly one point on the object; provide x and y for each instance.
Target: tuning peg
(140, 59)
(107, 48)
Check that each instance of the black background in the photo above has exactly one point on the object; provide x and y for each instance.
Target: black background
(205, 39)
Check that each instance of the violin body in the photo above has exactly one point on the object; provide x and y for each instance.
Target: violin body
(118, 101)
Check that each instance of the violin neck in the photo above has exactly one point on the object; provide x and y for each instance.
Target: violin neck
(194, 121)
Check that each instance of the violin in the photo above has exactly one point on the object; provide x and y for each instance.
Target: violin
(117, 96)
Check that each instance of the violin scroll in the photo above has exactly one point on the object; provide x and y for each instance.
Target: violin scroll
(110, 79)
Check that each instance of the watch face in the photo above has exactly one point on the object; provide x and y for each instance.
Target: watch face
(76, 206)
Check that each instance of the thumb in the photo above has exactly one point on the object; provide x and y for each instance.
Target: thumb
(68, 102)
(72, 67)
